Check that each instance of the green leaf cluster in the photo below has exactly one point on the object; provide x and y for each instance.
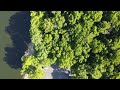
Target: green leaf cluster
(87, 42)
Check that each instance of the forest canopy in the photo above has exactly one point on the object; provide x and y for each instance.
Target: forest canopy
(87, 42)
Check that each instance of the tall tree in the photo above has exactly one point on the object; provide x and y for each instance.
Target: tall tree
(87, 42)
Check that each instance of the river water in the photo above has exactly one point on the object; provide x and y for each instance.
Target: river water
(14, 34)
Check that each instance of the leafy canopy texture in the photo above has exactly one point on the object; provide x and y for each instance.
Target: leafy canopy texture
(87, 42)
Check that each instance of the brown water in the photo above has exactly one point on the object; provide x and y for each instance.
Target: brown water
(14, 26)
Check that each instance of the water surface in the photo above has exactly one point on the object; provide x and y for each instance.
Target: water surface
(14, 36)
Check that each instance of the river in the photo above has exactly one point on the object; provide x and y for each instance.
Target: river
(14, 34)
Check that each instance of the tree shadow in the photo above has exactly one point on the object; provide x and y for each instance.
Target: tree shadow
(59, 73)
(18, 29)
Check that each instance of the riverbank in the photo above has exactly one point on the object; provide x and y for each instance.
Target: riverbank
(26, 76)
(53, 72)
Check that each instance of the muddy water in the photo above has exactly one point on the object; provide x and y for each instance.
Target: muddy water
(14, 27)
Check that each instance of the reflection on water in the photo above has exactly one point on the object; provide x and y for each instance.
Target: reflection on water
(14, 33)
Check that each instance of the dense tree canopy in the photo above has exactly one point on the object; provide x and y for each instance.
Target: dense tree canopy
(87, 42)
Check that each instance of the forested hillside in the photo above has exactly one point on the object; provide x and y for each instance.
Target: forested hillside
(87, 42)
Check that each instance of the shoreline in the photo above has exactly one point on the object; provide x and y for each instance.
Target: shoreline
(26, 76)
